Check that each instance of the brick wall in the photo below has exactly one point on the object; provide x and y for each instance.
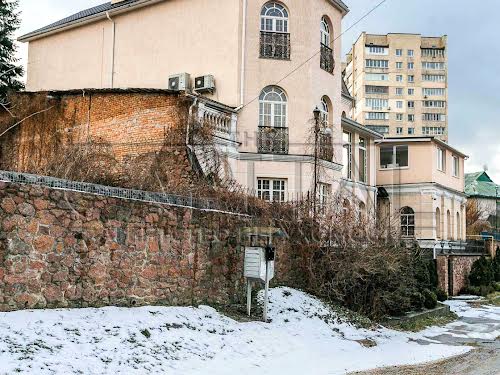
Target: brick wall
(66, 249)
(461, 266)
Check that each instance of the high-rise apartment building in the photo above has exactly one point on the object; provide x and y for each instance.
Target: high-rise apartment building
(400, 83)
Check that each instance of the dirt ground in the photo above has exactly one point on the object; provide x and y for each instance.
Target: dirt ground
(481, 361)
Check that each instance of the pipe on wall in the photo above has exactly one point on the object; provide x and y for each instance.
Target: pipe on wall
(243, 53)
(113, 42)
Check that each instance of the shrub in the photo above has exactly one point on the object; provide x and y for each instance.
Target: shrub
(430, 299)
(496, 266)
(441, 295)
(482, 272)
(417, 300)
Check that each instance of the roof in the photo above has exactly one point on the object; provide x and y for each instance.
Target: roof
(345, 91)
(347, 122)
(99, 11)
(480, 185)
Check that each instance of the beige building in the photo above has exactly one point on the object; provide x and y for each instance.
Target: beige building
(421, 180)
(272, 62)
(400, 83)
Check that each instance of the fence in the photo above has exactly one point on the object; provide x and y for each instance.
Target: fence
(108, 191)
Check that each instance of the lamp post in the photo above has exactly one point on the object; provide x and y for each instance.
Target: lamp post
(316, 114)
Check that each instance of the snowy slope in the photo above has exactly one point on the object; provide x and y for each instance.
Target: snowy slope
(303, 338)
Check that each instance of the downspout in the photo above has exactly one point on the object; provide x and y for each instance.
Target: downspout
(113, 41)
(243, 55)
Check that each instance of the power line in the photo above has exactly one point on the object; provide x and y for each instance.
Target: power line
(319, 51)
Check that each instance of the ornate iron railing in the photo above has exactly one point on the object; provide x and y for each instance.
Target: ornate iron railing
(327, 62)
(274, 45)
(325, 151)
(272, 140)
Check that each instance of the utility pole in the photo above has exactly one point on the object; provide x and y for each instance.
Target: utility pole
(316, 113)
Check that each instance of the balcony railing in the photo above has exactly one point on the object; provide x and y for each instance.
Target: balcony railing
(327, 62)
(272, 140)
(325, 150)
(274, 45)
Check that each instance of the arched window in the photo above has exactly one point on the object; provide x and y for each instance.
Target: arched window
(325, 32)
(438, 223)
(272, 107)
(344, 115)
(407, 222)
(448, 225)
(274, 18)
(325, 111)
(459, 227)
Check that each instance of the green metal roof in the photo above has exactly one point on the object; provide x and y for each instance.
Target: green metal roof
(479, 184)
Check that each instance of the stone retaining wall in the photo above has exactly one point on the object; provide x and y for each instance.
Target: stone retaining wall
(461, 266)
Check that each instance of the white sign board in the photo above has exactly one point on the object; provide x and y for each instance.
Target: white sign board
(255, 264)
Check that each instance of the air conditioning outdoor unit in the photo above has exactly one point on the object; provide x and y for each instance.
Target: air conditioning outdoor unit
(204, 83)
(179, 82)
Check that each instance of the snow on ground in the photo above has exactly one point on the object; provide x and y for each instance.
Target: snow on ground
(303, 337)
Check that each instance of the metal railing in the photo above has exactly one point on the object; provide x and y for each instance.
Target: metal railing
(325, 147)
(108, 191)
(326, 61)
(272, 140)
(274, 45)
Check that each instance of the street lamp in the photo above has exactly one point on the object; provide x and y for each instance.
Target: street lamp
(316, 114)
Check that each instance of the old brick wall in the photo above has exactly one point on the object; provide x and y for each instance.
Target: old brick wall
(461, 266)
(66, 249)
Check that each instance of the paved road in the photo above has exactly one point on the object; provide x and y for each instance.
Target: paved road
(484, 360)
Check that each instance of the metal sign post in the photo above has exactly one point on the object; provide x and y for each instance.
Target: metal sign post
(266, 292)
(249, 297)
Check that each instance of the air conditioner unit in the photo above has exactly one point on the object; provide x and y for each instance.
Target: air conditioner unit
(204, 83)
(179, 82)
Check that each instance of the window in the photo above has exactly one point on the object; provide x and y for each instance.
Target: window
(430, 130)
(411, 78)
(399, 104)
(411, 65)
(433, 78)
(376, 50)
(399, 52)
(274, 36)
(377, 116)
(456, 166)
(433, 92)
(433, 65)
(325, 32)
(432, 52)
(377, 104)
(411, 118)
(448, 225)
(382, 129)
(411, 104)
(399, 78)
(411, 91)
(271, 190)
(410, 53)
(323, 195)
(458, 225)
(272, 107)
(399, 91)
(325, 110)
(393, 157)
(326, 58)
(433, 117)
(362, 160)
(407, 222)
(399, 130)
(399, 116)
(347, 155)
(411, 131)
(376, 89)
(441, 159)
(376, 77)
(399, 65)
(377, 63)
(274, 18)
(434, 103)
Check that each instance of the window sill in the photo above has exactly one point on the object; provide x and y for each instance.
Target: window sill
(274, 58)
(392, 168)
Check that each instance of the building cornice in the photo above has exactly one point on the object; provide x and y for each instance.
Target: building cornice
(426, 188)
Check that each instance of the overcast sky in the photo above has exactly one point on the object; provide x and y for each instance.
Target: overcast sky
(473, 54)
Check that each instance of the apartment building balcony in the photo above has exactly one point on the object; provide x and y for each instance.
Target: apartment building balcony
(272, 140)
(222, 123)
(325, 149)
(327, 61)
(275, 45)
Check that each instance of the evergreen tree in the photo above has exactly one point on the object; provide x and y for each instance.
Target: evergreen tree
(10, 71)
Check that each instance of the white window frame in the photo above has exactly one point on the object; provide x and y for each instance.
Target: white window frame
(441, 159)
(399, 91)
(275, 20)
(399, 117)
(411, 53)
(399, 78)
(456, 166)
(273, 106)
(399, 52)
(282, 190)
(324, 192)
(411, 78)
(363, 160)
(399, 65)
(407, 222)
(377, 64)
(325, 32)
(394, 164)
(347, 145)
(399, 130)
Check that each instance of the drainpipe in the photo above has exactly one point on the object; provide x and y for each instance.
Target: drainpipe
(243, 55)
(190, 116)
(113, 41)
